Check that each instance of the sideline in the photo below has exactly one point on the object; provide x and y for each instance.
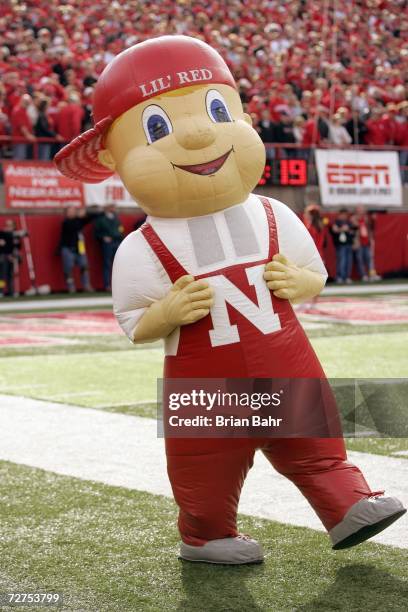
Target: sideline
(112, 448)
(89, 302)
(56, 303)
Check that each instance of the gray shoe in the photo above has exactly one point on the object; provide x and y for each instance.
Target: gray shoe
(229, 551)
(365, 519)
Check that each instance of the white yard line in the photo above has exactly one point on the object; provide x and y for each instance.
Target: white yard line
(89, 302)
(310, 325)
(77, 302)
(124, 451)
(148, 402)
(74, 394)
(364, 288)
(17, 387)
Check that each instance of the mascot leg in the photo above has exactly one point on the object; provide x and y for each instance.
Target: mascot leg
(335, 488)
(206, 478)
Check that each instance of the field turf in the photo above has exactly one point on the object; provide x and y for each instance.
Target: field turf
(111, 549)
(108, 549)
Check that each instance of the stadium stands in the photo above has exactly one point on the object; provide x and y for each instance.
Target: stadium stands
(320, 72)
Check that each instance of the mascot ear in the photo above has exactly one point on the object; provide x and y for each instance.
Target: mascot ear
(248, 118)
(105, 158)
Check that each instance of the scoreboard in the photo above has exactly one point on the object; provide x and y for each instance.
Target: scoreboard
(285, 172)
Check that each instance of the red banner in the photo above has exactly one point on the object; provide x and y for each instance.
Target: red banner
(30, 184)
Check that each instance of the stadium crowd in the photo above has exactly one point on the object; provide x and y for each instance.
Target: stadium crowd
(309, 72)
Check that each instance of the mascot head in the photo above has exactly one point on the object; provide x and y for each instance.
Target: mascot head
(169, 121)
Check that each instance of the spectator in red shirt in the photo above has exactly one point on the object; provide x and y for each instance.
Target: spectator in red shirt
(275, 100)
(316, 129)
(4, 120)
(377, 128)
(21, 127)
(390, 122)
(68, 120)
(401, 138)
(317, 227)
(311, 135)
(363, 244)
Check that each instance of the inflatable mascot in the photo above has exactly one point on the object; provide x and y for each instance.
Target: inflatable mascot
(169, 121)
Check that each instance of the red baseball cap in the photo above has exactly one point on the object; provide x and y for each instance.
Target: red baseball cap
(139, 73)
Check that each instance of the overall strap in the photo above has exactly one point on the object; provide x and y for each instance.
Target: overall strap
(173, 267)
(273, 232)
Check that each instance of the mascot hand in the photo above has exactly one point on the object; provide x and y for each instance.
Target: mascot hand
(187, 301)
(287, 281)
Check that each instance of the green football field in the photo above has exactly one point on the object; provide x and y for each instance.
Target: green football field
(112, 549)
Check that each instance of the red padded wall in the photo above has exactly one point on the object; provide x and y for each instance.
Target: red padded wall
(391, 247)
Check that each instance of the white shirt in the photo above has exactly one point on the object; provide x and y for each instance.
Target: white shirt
(229, 237)
(339, 135)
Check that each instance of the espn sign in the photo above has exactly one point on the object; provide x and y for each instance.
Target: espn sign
(359, 177)
(355, 174)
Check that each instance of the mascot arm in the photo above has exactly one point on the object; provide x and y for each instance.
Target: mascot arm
(289, 281)
(187, 301)
(146, 304)
(297, 272)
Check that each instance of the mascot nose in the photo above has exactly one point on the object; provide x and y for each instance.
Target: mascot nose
(195, 133)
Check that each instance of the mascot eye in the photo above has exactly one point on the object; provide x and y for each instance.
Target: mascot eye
(217, 107)
(156, 123)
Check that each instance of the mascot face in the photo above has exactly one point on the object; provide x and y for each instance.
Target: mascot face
(185, 153)
(169, 121)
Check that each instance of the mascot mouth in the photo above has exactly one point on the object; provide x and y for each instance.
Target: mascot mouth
(210, 167)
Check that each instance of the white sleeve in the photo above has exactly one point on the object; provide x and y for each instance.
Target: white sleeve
(347, 136)
(294, 240)
(138, 280)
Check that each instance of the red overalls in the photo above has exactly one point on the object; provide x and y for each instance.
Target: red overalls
(207, 474)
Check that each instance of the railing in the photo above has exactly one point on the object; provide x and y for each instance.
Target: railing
(33, 146)
(291, 145)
